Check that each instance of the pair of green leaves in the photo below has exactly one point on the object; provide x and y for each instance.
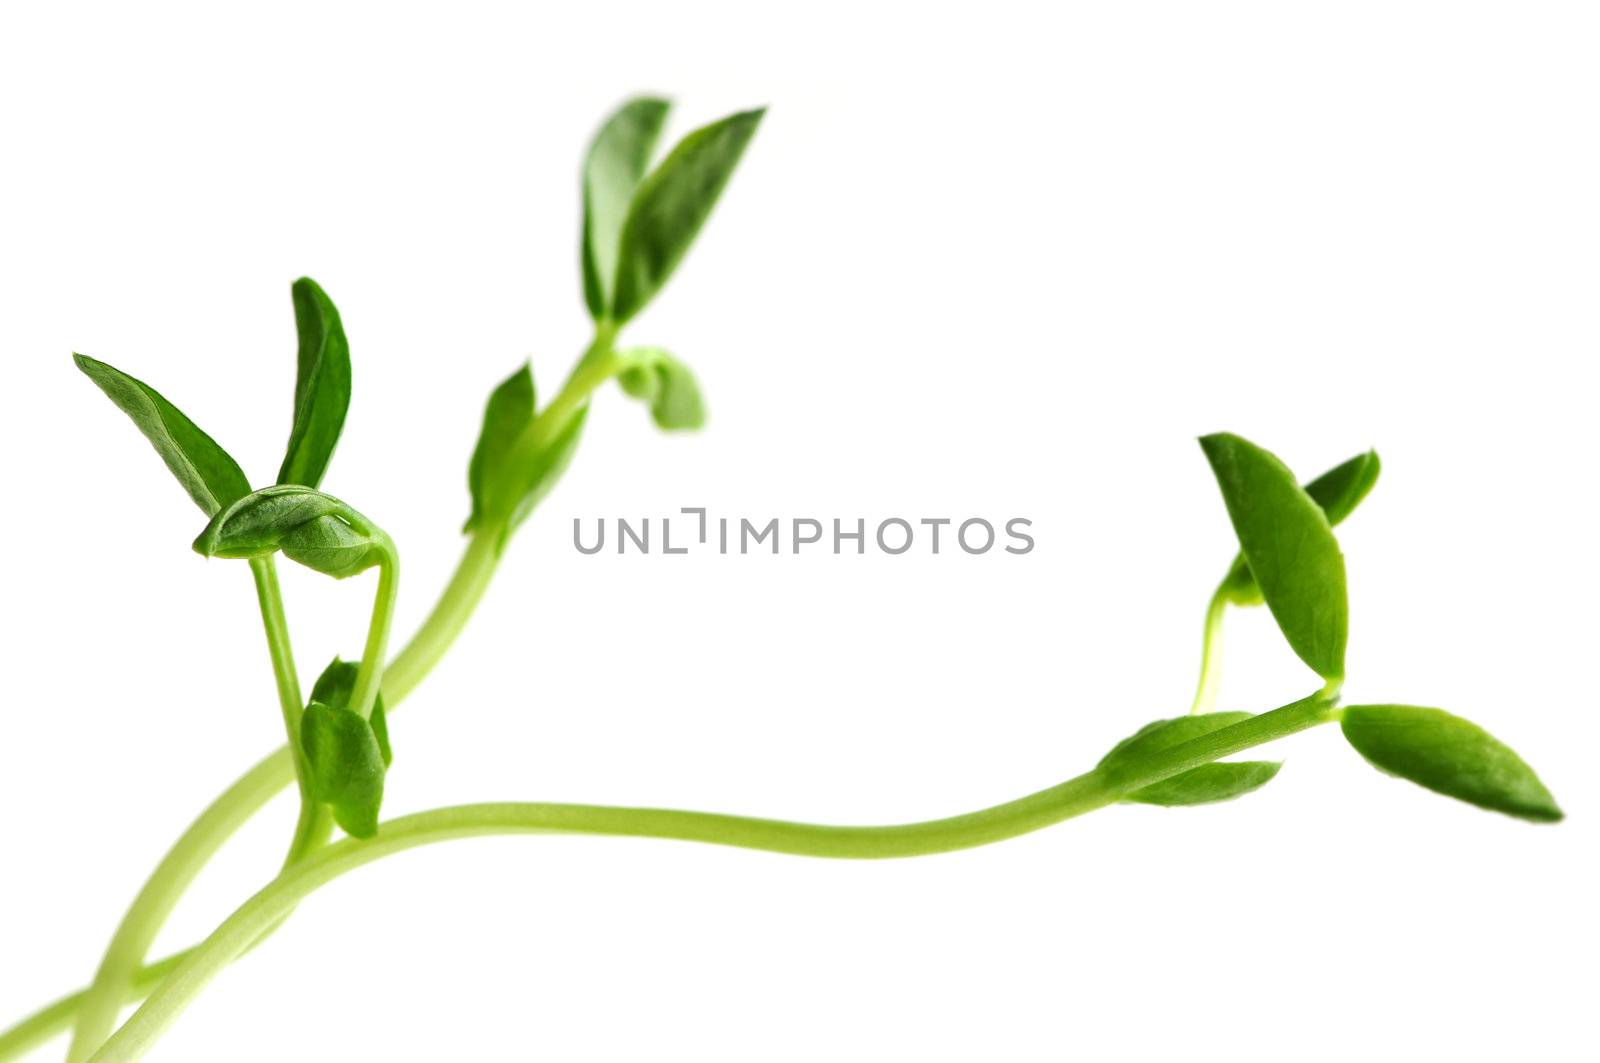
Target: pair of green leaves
(638, 227)
(315, 529)
(346, 757)
(1205, 784)
(638, 224)
(207, 472)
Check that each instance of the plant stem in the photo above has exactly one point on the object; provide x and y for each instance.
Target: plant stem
(369, 674)
(1085, 793)
(455, 606)
(55, 1017)
(1205, 694)
(119, 968)
(131, 942)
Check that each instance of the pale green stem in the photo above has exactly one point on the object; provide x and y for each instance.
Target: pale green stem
(147, 914)
(1085, 793)
(369, 674)
(1205, 695)
(461, 596)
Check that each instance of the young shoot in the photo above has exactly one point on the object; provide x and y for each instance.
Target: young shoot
(640, 218)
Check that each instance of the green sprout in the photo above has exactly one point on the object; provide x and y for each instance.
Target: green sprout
(638, 223)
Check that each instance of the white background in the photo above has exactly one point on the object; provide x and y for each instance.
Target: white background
(1003, 262)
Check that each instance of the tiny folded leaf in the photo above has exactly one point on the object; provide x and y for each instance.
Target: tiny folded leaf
(345, 764)
(670, 206)
(335, 686)
(212, 478)
(1338, 491)
(321, 388)
(1448, 755)
(315, 529)
(618, 157)
(666, 384)
(1289, 545)
(1200, 785)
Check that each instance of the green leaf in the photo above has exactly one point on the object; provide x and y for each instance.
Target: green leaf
(1290, 548)
(672, 204)
(666, 384)
(547, 468)
(617, 160)
(1338, 491)
(321, 388)
(335, 686)
(346, 766)
(502, 494)
(510, 409)
(1450, 756)
(315, 529)
(212, 478)
(1197, 786)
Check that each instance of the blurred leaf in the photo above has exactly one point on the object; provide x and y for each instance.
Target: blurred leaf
(671, 205)
(666, 385)
(618, 157)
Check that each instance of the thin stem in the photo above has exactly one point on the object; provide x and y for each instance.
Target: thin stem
(455, 606)
(131, 942)
(1085, 793)
(119, 967)
(1205, 695)
(369, 674)
(54, 1018)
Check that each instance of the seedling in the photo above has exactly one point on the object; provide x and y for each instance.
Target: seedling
(638, 223)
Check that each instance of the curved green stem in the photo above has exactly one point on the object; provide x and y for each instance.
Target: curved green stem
(1205, 694)
(1085, 793)
(450, 614)
(56, 1016)
(119, 968)
(369, 674)
(131, 942)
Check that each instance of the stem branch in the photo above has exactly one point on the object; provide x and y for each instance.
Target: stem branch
(1085, 793)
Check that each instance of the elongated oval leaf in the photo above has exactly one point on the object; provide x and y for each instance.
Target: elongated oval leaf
(672, 204)
(321, 388)
(1289, 545)
(315, 529)
(1205, 784)
(1338, 491)
(618, 157)
(212, 478)
(1448, 755)
(346, 766)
